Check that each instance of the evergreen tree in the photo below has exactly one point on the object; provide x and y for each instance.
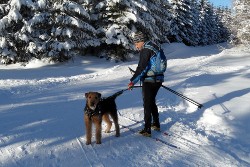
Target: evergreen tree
(241, 27)
(195, 23)
(204, 27)
(72, 30)
(186, 21)
(44, 28)
(13, 42)
(114, 21)
(224, 21)
(159, 25)
(212, 22)
(179, 21)
(58, 29)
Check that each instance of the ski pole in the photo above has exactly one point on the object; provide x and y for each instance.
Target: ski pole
(131, 70)
(184, 97)
(178, 94)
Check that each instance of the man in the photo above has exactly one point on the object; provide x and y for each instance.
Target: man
(150, 83)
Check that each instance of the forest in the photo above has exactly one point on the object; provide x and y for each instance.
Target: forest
(59, 29)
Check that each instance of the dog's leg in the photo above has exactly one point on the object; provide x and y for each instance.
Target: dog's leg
(105, 117)
(98, 125)
(88, 125)
(115, 119)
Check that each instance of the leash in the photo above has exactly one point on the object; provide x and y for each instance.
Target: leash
(121, 92)
(97, 110)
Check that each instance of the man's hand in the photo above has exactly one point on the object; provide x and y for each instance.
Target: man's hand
(130, 86)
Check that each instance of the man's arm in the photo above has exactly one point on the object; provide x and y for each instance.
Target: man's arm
(145, 55)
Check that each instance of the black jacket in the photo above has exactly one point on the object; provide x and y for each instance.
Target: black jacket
(145, 55)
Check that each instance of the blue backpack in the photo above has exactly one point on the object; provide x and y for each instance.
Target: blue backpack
(158, 62)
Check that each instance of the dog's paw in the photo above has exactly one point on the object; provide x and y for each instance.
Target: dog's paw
(98, 142)
(117, 135)
(88, 142)
(107, 131)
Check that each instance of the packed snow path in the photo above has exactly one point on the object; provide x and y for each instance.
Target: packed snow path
(41, 112)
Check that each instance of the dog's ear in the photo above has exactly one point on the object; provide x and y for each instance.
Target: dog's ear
(86, 95)
(99, 95)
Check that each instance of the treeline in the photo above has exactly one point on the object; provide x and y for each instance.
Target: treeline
(240, 25)
(59, 29)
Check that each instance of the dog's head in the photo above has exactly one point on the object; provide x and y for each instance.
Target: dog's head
(92, 99)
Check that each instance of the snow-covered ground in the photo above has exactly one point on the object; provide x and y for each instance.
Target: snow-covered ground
(41, 112)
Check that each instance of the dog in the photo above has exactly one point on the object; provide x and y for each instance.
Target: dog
(98, 109)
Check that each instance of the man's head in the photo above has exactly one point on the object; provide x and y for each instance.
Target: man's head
(139, 39)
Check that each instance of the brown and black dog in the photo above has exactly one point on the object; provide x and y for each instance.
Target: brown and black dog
(96, 110)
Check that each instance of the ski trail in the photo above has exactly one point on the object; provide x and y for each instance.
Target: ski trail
(53, 81)
(90, 154)
(84, 152)
(166, 136)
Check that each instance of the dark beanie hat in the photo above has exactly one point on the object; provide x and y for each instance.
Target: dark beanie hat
(139, 37)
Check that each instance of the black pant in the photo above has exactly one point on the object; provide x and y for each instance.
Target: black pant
(149, 92)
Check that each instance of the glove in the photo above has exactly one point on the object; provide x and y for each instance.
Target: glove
(130, 86)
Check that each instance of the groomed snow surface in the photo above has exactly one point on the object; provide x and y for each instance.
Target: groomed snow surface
(41, 112)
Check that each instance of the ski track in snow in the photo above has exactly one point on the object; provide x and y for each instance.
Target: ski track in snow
(194, 146)
(48, 83)
(89, 153)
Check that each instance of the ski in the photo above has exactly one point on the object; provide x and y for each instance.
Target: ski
(166, 143)
(152, 137)
(162, 133)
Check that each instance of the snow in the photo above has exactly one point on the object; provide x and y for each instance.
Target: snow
(41, 111)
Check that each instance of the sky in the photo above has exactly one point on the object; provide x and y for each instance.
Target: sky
(222, 2)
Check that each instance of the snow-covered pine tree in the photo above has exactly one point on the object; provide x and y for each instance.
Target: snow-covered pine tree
(194, 36)
(115, 23)
(174, 35)
(204, 27)
(226, 20)
(157, 17)
(117, 20)
(36, 29)
(18, 30)
(54, 28)
(212, 22)
(186, 19)
(13, 43)
(71, 29)
(145, 20)
(44, 28)
(241, 27)
(223, 23)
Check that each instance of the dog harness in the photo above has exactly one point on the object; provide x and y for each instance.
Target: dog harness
(91, 112)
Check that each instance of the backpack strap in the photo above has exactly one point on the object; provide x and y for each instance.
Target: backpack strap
(156, 51)
(146, 45)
